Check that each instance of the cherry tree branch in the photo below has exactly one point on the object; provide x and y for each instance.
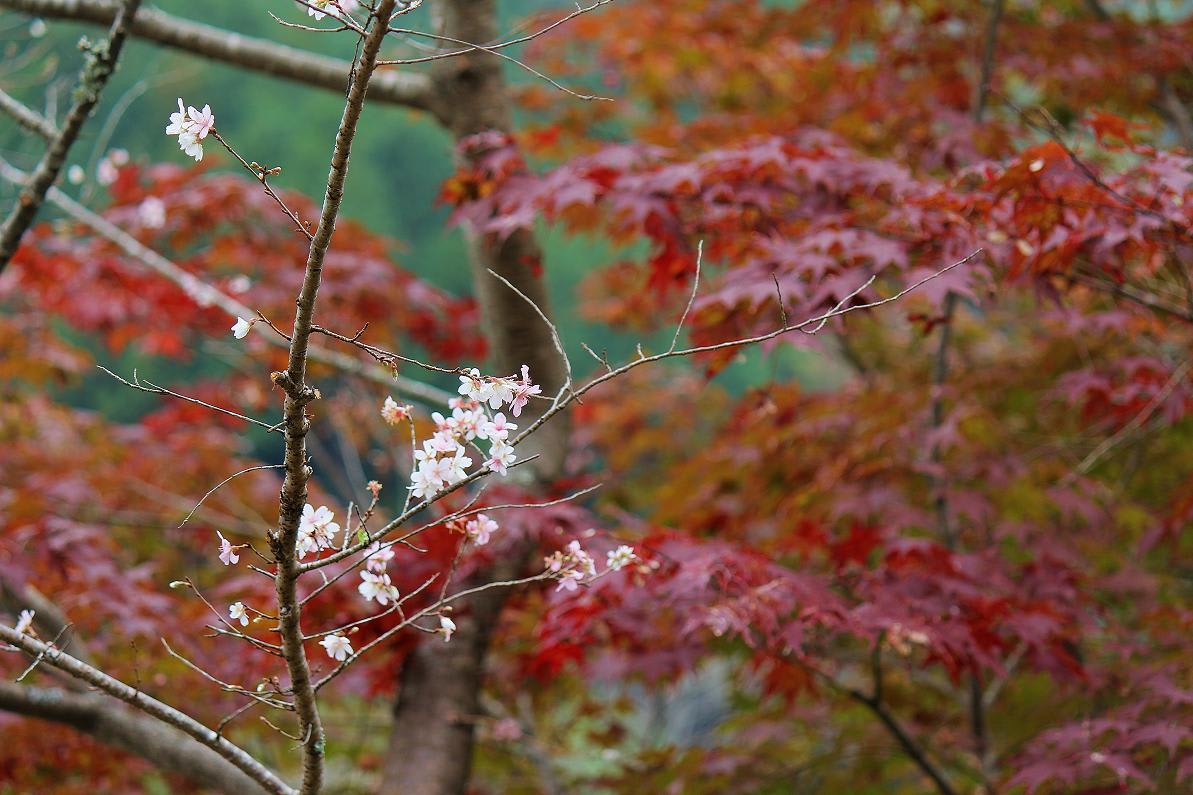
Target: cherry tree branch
(264, 777)
(288, 63)
(98, 66)
(299, 394)
(31, 120)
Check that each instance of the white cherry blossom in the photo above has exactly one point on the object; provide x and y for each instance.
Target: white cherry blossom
(337, 647)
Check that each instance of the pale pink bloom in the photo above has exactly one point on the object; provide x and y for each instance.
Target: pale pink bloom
(501, 457)
(392, 413)
(480, 529)
(376, 556)
(569, 581)
(152, 213)
(497, 429)
(24, 621)
(238, 612)
(337, 647)
(228, 553)
(447, 627)
(241, 328)
(202, 121)
(119, 157)
(523, 391)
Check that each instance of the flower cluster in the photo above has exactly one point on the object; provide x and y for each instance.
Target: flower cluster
(570, 566)
(497, 391)
(574, 565)
(330, 8)
(316, 530)
(618, 558)
(191, 126)
(393, 413)
(375, 583)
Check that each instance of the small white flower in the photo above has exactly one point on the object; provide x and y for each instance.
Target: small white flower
(337, 647)
(75, 174)
(447, 627)
(119, 157)
(188, 142)
(24, 621)
(37, 28)
(241, 328)
(238, 613)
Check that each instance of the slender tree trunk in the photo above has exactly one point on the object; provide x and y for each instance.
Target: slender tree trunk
(431, 747)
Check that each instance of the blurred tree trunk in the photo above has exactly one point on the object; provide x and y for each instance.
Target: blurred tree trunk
(430, 750)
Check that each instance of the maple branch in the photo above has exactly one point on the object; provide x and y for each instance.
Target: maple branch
(264, 777)
(258, 55)
(298, 395)
(873, 702)
(98, 65)
(205, 294)
(1135, 424)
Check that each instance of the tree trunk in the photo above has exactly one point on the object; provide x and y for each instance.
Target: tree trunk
(431, 746)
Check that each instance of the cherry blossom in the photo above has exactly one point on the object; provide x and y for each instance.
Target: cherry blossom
(238, 612)
(523, 391)
(337, 647)
(191, 126)
(332, 8)
(393, 413)
(447, 627)
(377, 587)
(377, 556)
(480, 529)
(241, 328)
(316, 530)
(106, 172)
(228, 553)
(24, 621)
